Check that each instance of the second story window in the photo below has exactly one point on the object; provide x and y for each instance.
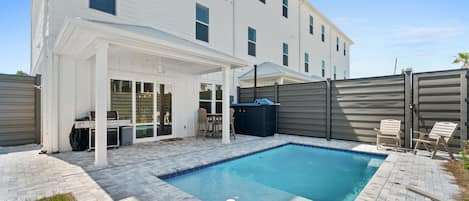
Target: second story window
(323, 33)
(306, 62)
(335, 72)
(311, 24)
(285, 54)
(345, 49)
(337, 44)
(285, 8)
(201, 23)
(323, 68)
(107, 6)
(252, 38)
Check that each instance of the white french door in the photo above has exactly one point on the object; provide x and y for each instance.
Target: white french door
(153, 111)
(147, 103)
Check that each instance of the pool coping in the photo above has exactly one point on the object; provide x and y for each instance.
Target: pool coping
(369, 192)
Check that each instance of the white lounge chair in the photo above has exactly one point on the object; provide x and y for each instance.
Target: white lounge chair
(442, 132)
(389, 129)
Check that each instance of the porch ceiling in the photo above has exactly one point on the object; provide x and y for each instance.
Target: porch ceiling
(78, 39)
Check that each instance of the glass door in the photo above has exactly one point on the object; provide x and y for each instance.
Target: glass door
(144, 110)
(164, 110)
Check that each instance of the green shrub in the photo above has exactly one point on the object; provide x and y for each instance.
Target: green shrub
(465, 159)
(59, 197)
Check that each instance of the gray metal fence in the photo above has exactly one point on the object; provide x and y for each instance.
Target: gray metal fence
(359, 105)
(303, 109)
(441, 96)
(247, 94)
(19, 110)
(350, 109)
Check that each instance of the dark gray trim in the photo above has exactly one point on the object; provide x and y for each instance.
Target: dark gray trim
(408, 109)
(37, 103)
(328, 109)
(463, 108)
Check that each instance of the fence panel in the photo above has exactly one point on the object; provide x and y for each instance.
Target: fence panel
(358, 106)
(246, 94)
(302, 109)
(441, 96)
(18, 115)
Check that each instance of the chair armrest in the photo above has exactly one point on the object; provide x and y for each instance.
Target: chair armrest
(377, 130)
(421, 134)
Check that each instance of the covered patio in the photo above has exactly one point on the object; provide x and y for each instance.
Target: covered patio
(149, 62)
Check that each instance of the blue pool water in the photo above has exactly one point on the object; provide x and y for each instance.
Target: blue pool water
(285, 173)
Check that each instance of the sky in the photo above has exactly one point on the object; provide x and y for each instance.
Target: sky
(423, 34)
(14, 36)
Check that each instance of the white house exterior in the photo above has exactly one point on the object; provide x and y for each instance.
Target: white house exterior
(146, 52)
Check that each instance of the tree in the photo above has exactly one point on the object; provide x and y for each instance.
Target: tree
(21, 73)
(463, 58)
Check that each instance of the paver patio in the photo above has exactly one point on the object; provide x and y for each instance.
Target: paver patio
(133, 171)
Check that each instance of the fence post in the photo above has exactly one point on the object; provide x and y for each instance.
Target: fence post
(328, 109)
(276, 100)
(37, 108)
(238, 89)
(408, 109)
(463, 108)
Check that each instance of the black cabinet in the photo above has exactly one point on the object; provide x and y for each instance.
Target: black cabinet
(255, 119)
(112, 138)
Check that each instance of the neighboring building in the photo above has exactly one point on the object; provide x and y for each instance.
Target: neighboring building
(144, 58)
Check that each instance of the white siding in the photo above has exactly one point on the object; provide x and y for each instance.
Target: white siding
(75, 79)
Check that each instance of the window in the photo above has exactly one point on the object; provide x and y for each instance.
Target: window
(285, 8)
(252, 41)
(323, 33)
(311, 24)
(107, 6)
(285, 54)
(121, 98)
(211, 98)
(205, 97)
(335, 72)
(306, 62)
(345, 49)
(263, 1)
(218, 99)
(337, 44)
(323, 68)
(202, 23)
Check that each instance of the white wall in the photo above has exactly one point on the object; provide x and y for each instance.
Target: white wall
(318, 50)
(76, 89)
(272, 28)
(227, 34)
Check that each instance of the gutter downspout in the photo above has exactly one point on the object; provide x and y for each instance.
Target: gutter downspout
(234, 71)
(330, 54)
(255, 84)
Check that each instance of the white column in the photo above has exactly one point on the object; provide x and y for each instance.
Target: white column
(101, 104)
(226, 105)
(213, 104)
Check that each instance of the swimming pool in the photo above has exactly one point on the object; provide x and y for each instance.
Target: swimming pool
(289, 172)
